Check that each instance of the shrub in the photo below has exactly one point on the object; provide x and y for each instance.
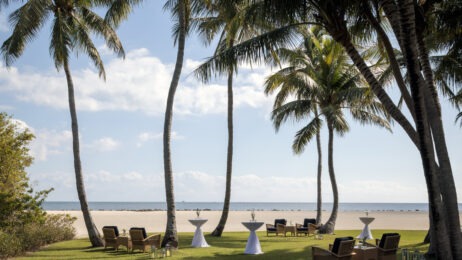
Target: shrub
(32, 236)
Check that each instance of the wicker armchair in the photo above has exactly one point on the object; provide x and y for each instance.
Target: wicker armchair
(341, 249)
(387, 246)
(277, 228)
(111, 234)
(141, 241)
(309, 227)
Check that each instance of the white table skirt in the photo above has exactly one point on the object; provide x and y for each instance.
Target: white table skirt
(366, 232)
(253, 244)
(198, 239)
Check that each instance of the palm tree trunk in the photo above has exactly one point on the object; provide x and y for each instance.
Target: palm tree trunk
(344, 39)
(393, 61)
(446, 179)
(329, 227)
(170, 230)
(93, 233)
(229, 161)
(319, 186)
(437, 217)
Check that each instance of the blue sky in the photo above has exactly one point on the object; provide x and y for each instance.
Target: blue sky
(121, 123)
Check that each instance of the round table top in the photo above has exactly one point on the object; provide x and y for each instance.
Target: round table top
(253, 225)
(198, 221)
(366, 220)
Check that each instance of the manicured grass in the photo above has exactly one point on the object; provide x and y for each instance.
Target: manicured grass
(230, 246)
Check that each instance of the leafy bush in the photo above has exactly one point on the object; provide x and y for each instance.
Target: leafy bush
(32, 236)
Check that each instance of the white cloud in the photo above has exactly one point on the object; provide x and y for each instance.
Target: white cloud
(138, 83)
(46, 141)
(105, 144)
(5, 108)
(199, 186)
(50, 142)
(149, 136)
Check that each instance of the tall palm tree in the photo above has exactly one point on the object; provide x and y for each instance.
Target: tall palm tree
(322, 84)
(180, 10)
(228, 20)
(72, 24)
(337, 17)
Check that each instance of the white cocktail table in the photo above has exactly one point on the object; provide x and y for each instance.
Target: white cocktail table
(253, 244)
(199, 239)
(366, 233)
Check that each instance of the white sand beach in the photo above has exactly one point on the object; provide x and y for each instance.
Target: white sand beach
(154, 221)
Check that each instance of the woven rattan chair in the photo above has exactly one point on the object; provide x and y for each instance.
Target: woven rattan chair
(111, 233)
(309, 227)
(387, 246)
(277, 228)
(341, 249)
(141, 241)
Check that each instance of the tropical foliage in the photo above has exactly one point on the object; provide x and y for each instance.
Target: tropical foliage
(320, 83)
(73, 23)
(24, 225)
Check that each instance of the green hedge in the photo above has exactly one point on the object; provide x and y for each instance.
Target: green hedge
(30, 237)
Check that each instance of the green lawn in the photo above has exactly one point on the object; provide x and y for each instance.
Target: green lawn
(230, 246)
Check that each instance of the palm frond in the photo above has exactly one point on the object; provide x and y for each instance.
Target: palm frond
(99, 26)
(249, 51)
(296, 110)
(26, 21)
(61, 40)
(304, 135)
(118, 10)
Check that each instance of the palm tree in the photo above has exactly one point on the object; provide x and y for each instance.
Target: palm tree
(73, 22)
(322, 84)
(337, 17)
(230, 18)
(180, 11)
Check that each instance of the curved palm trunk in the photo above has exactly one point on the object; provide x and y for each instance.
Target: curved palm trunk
(329, 227)
(170, 230)
(319, 186)
(93, 233)
(437, 217)
(229, 161)
(446, 178)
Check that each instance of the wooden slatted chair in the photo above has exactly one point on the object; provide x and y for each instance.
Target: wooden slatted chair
(277, 228)
(341, 249)
(141, 241)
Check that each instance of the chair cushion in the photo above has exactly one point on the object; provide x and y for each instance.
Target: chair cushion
(271, 229)
(302, 229)
(142, 230)
(116, 230)
(280, 221)
(384, 237)
(309, 220)
(337, 243)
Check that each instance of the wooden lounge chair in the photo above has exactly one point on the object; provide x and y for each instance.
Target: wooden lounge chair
(141, 241)
(277, 228)
(387, 246)
(111, 235)
(341, 249)
(309, 227)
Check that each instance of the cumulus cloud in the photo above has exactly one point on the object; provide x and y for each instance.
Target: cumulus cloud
(138, 83)
(105, 144)
(199, 186)
(149, 136)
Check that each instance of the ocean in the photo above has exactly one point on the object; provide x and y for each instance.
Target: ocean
(236, 206)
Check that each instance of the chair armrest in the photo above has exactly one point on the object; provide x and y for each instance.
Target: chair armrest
(298, 225)
(377, 241)
(330, 247)
(270, 226)
(154, 240)
(339, 256)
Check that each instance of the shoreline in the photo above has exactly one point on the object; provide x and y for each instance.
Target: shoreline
(155, 221)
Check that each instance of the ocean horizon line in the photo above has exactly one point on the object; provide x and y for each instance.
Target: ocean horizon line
(236, 206)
